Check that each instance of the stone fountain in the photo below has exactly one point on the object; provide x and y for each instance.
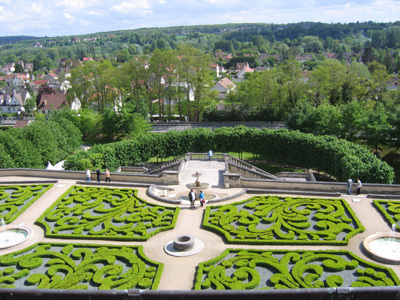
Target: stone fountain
(197, 185)
(11, 235)
(383, 246)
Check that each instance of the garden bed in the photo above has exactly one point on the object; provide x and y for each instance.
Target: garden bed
(284, 220)
(390, 211)
(104, 213)
(79, 266)
(15, 199)
(239, 269)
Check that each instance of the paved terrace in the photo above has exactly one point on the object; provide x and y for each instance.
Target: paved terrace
(179, 272)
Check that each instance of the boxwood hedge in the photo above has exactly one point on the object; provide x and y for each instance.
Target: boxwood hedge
(334, 156)
(239, 269)
(79, 266)
(15, 199)
(88, 212)
(390, 210)
(284, 220)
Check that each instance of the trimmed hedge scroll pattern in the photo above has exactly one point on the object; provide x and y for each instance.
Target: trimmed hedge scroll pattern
(15, 199)
(74, 266)
(390, 211)
(237, 269)
(278, 220)
(104, 213)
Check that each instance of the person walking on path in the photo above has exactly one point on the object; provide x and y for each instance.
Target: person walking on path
(98, 174)
(88, 175)
(210, 154)
(192, 198)
(349, 184)
(202, 201)
(359, 186)
(108, 176)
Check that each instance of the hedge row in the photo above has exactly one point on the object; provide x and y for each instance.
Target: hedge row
(239, 269)
(390, 211)
(334, 156)
(276, 220)
(104, 213)
(79, 266)
(15, 199)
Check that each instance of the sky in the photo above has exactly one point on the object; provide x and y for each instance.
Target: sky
(75, 17)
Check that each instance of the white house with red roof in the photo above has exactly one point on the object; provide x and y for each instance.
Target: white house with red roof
(242, 72)
(224, 86)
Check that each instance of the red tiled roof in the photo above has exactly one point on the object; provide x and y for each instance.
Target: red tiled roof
(226, 83)
(21, 123)
(41, 81)
(51, 101)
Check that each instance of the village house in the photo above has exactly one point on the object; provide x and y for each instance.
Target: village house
(241, 74)
(8, 68)
(218, 69)
(50, 102)
(224, 86)
(13, 101)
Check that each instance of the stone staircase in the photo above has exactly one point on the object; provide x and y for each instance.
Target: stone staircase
(211, 172)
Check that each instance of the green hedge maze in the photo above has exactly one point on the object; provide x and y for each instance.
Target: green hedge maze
(237, 269)
(390, 211)
(15, 199)
(73, 266)
(103, 213)
(278, 220)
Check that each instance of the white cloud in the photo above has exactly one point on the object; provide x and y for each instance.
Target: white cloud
(73, 4)
(68, 16)
(129, 6)
(162, 2)
(95, 13)
(3, 14)
(36, 8)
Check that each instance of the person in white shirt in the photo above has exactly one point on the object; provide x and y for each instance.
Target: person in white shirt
(210, 154)
(359, 186)
(349, 184)
(88, 175)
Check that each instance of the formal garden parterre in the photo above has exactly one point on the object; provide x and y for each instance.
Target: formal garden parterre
(90, 212)
(79, 266)
(104, 213)
(390, 210)
(239, 269)
(284, 220)
(15, 199)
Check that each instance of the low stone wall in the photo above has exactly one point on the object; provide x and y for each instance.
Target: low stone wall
(232, 180)
(247, 173)
(335, 187)
(167, 177)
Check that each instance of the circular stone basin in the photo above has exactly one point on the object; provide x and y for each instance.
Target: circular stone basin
(183, 243)
(13, 235)
(383, 247)
(200, 187)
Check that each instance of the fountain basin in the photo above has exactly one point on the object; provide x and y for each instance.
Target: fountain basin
(383, 247)
(197, 187)
(183, 242)
(184, 245)
(11, 236)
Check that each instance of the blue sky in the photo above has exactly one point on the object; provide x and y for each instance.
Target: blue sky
(74, 17)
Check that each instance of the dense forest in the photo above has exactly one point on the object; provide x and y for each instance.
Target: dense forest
(335, 79)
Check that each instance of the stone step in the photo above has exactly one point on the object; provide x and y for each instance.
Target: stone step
(210, 172)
